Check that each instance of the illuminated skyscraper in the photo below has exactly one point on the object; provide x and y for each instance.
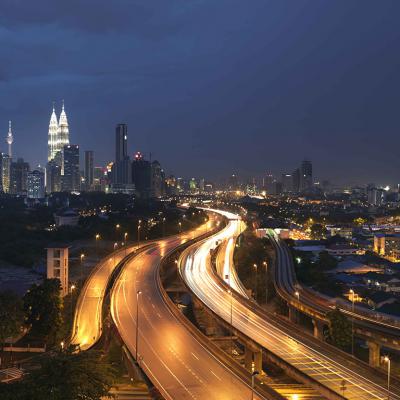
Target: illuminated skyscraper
(58, 135)
(9, 139)
(63, 130)
(52, 136)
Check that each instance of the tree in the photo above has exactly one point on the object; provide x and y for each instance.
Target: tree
(317, 231)
(326, 261)
(11, 315)
(42, 305)
(339, 329)
(66, 375)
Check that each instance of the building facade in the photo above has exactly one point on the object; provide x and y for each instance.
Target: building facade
(18, 177)
(71, 178)
(35, 185)
(89, 170)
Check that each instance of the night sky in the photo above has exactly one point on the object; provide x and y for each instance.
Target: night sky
(210, 87)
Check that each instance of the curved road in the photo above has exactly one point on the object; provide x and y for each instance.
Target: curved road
(87, 324)
(178, 364)
(308, 355)
(286, 285)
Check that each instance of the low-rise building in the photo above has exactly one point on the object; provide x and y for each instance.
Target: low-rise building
(387, 245)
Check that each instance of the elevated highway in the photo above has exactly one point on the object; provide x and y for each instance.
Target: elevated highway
(180, 363)
(326, 369)
(367, 324)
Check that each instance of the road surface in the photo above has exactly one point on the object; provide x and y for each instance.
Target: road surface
(313, 358)
(178, 364)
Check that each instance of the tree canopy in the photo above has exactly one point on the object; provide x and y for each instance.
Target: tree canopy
(64, 376)
(339, 329)
(11, 315)
(42, 305)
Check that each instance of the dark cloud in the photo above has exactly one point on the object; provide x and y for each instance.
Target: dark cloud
(210, 86)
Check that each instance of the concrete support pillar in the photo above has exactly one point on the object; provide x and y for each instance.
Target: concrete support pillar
(293, 315)
(258, 361)
(374, 353)
(248, 358)
(318, 329)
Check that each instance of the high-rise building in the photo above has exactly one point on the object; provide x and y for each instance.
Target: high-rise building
(157, 179)
(306, 175)
(5, 172)
(268, 181)
(89, 170)
(296, 180)
(122, 165)
(121, 142)
(71, 178)
(99, 179)
(287, 183)
(53, 177)
(35, 185)
(18, 177)
(58, 135)
(142, 176)
(52, 136)
(63, 130)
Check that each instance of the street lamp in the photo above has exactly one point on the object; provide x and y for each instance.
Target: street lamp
(126, 243)
(138, 293)
(97, 247)
(117, 226)
(387, 360)
(163, 226)
(231, 298)
(72, 289)
(255, 281)
(180, 227)
(266, 283)
(138, 231)
(352, 321)
(253, 376)
(82, 257)
(297, 294)
(62, 345)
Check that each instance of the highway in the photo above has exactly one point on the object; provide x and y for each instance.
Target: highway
(287, 285)
(317, 360)
(224, 261)
(179, 364)
(87, 324)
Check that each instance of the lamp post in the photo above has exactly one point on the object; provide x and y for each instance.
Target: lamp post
(253, 376)
(180, 227)
(126, 243)
(231, 295)
(255, 281)
(82, 257)
(266, 281)
(297, 294)
(163, 226)
(352, 321)
(117, 226)
(138, 231)
(138, 293)
(387, 360)
(115, 247)
(97, 247)
(72, 290)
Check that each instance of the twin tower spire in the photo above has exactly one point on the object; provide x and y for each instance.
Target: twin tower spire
(58, 133)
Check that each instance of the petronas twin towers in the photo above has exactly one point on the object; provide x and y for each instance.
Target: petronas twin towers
(58, 134)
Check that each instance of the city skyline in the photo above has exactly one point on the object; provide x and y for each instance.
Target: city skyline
(251, 113)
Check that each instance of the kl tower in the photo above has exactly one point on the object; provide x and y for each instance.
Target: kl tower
(9, 139)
